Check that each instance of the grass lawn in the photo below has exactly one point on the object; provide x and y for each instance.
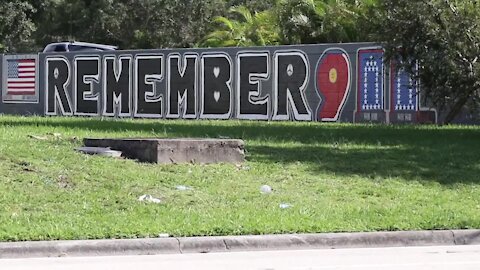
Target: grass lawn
(337, 177)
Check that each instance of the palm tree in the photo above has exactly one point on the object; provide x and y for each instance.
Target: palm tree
(292, 22)
(243, 29)
(321, 21)
(300, 20)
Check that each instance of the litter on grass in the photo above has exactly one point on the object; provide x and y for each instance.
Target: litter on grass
(45, 138)
(40, 138)
(183, 188)
(266, 189)
(285, 206)
(149, 198)
(56, 135)
(101, 151)
(240, 167)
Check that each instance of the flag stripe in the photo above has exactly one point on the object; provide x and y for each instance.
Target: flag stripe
(17, 90)
(26, 70)
(23, 75)
(25, 79)
(16, 85)
(20, 92)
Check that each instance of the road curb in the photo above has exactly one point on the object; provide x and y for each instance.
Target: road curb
(151, 246)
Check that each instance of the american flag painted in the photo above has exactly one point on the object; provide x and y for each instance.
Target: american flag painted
(370, 80)
(21, 77)
(404, 91)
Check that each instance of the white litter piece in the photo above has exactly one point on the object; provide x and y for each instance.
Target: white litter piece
(285, 206)
(40, 138)
(266, 189)
(101, 151)
(56, 135)
(240, 167)
(149, 198)
(164, 235)
(183, 188)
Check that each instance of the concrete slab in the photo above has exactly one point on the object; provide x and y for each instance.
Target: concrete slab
(175, 151)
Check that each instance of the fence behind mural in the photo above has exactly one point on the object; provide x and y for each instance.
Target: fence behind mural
(343, 82)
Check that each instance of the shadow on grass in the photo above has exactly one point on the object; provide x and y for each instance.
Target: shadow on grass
(445, 155)
(409, 163)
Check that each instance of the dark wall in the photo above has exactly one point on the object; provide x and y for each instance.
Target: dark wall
(335, 82)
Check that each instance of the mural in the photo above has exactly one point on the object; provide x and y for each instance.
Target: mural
(349, 83)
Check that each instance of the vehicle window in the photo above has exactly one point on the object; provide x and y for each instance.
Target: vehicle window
(60, 48)
(76, 48)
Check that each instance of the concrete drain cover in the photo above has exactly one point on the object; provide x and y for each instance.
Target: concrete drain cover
(173, 151)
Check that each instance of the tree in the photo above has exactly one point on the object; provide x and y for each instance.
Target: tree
(253, 5)
(245, 29)
(83, 20)
(130, 24)
(443, 38)
(322, 21)
(16, 26)
(168, 23)
(300, 21)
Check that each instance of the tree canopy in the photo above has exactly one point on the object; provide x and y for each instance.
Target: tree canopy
(440, 38)
(27, 25)
(129, 24)
(16, 25)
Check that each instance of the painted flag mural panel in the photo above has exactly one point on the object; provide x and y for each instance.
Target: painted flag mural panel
(20, 84)
(404, 91)
(333, 83)
(370, 80)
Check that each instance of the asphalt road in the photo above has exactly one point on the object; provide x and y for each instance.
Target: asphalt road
(414, 258)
